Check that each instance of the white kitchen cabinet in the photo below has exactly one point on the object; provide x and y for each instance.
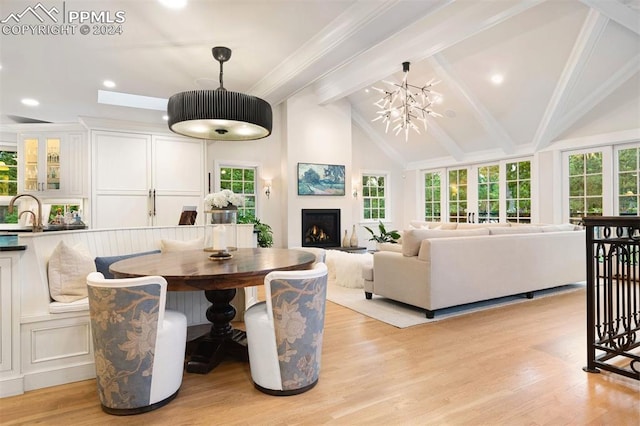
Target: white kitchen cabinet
(10, 375)
(144, 179)
(52, 163)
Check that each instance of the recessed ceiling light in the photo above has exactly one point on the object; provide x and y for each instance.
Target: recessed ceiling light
(165, 117)
(497, 79)
(108, 83)
(30, 102)
(173, 4)
(437, 99)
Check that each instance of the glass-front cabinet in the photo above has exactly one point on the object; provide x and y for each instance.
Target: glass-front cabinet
(41, 164)
(51, 164)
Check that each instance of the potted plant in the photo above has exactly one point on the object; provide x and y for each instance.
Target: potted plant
(385, 236)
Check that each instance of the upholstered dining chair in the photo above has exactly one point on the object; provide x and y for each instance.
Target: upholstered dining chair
(284, 333)
(318, 252)
(139, 346)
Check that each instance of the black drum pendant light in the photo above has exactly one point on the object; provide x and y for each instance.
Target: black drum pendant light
(219, 114)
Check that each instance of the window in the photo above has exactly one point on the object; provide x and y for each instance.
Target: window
(458, 195)
(241, 180)
(374, 196)
(628, 181)
(585, 185)
(518, 197)
(8, 183)
(488, 193)
(8, 173)
(432, 200)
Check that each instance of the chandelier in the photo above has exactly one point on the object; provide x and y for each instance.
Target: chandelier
(219, 114)
(403, 104)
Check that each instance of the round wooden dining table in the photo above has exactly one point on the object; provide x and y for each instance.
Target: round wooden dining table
(219, 279)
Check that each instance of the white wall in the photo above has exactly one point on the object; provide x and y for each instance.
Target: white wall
(263, 152)
(315, 134)
(369, 157)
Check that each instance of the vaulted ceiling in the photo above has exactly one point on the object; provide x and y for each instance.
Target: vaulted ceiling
(570, 68)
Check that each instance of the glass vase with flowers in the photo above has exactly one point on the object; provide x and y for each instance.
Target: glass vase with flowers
(222, 207)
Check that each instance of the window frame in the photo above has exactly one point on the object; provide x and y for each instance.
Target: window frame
(607, 179)
(443, 192)
(221, 164)
(616, 173)
(472, 188)
(387, 196)
(504, 199)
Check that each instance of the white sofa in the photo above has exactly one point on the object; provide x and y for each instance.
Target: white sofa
(53, 345)
(442, 268)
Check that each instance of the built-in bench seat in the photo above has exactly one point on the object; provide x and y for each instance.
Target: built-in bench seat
(55, 340)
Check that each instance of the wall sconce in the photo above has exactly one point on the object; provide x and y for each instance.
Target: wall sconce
(267, 187)
(355, 189)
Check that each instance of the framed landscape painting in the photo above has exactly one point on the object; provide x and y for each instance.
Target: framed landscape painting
(320, 179)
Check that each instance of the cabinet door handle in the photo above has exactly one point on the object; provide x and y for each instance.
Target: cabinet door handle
(154, 202)
(149, 201)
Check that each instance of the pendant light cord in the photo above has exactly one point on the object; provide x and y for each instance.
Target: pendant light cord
(221, 82)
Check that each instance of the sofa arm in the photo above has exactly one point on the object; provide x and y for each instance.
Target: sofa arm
(396, 247)
(402, 278)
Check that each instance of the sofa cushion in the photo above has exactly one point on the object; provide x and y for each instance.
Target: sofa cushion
(445, 226)
(177, 245)
(420, 224)
(103, 262)
(482, 225)
(412, 238)
(67, 272)
(515, 230)
(559, 228)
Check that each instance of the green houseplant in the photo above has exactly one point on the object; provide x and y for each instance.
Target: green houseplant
(385, 236)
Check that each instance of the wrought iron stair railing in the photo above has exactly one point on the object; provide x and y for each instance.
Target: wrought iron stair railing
(613, 295)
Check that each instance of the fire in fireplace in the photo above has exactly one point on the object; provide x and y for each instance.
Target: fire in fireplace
(320, 227)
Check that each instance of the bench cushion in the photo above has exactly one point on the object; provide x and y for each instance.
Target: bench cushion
(76, 306)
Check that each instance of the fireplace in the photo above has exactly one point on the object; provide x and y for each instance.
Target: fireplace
(320, 227)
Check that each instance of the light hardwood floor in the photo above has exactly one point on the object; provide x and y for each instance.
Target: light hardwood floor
(520, 364)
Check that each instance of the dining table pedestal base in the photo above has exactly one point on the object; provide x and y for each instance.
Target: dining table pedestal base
(223, 340)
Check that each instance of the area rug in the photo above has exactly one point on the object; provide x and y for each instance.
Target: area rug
(401, 315)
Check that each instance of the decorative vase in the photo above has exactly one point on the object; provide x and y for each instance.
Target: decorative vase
(353, 242)
(345, 240)
(222, 235)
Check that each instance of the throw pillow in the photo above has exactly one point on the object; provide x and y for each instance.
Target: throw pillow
(177, 245)
(67, 272)
(103, 262)
(412, 238)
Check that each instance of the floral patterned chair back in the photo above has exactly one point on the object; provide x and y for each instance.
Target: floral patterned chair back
(138, 345)
(284, 333)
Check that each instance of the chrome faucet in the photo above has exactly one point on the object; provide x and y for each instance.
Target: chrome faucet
(37, 219)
